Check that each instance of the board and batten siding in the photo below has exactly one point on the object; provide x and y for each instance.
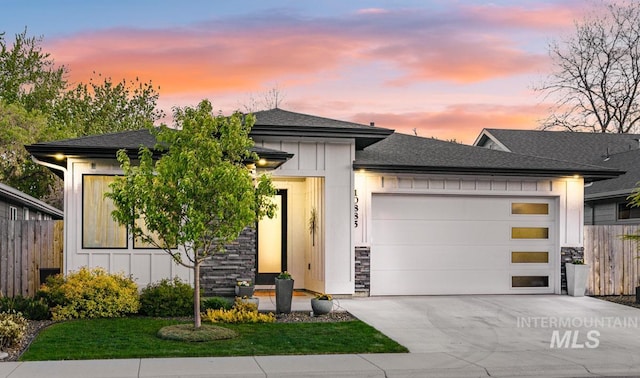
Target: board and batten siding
(144, 265)
(569, 192)
(330, 159)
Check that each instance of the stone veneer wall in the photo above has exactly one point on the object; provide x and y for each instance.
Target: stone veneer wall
(218, 274)
(363, 270)
(567, 255)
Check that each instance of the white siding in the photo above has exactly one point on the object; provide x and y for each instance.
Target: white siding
(145, 265)
(331, 160)
(569, 192)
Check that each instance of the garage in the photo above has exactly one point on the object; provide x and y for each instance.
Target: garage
(448, 244)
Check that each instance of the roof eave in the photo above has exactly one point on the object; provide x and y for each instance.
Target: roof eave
(363, 137)
(488, 171)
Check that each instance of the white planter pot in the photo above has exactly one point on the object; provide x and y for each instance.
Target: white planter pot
(577, 275)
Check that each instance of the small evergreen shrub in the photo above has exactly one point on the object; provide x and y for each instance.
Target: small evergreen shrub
(216, 303)
(13, 327)
(32, 309)
(167, 298)
(242, 312)
(90, 293)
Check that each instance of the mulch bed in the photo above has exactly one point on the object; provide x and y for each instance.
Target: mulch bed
(627, 300)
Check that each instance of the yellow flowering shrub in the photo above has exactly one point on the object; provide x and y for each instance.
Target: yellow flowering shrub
(12, 328)
(90, 293)
(241, 312)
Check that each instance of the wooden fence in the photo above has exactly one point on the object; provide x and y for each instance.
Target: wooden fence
(614, 262)
(29, 250)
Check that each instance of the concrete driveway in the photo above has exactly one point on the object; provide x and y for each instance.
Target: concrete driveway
(538, 335)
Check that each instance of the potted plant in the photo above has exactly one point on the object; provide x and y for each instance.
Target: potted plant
(284, 292)
(577, 275)
(322, 304)
(244, 289)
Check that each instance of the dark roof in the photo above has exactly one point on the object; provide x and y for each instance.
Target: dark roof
(587, 148)
(620, 186)
(407, 153)
(18, 196)
(278, 122)
(107, 145)
(615, 151)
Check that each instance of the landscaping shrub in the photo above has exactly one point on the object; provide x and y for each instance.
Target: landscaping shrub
(242, 312)
(90, 293)
(167, 298)
(12, 328)
(32, 309)
(216, 303)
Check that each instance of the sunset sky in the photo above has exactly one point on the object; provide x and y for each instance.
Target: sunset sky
(445, 68)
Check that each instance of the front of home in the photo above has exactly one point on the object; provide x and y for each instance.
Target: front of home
(362, 211)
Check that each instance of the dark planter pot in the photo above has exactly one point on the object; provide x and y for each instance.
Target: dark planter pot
(321, 306)
(284, 295)
(637, 294)
(244, 291)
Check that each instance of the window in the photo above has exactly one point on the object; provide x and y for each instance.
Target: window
(530, 233)
(99, 230)
(529, 257)
(13, 213)
(139, 243)
(530, 208)
(625, 211)
(25, 213)
(530, 281)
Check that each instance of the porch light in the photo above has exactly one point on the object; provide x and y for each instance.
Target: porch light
(262, 162)
(58, 156)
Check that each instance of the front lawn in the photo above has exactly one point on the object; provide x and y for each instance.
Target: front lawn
(136, 338)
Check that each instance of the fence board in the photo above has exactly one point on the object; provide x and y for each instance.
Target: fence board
(25, 248)
(614, 262)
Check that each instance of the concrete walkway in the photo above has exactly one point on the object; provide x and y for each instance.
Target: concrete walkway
(457, 336)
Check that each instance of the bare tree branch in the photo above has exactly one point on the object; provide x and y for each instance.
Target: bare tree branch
(596, 78)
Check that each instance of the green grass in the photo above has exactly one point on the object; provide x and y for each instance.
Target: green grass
(136, 338)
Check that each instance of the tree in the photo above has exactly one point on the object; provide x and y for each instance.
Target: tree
(36, 105)
(28, 76)
(17, 128)
(104, 107)
(199, 195)
(596, 77)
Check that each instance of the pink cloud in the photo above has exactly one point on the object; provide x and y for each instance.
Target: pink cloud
(461, 122)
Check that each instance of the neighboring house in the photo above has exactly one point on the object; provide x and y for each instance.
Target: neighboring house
(16, 205)
(605, 202)
(394, 214)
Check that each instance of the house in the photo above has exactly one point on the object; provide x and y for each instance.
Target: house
(16, 205)
(362, 211)
(605, 202)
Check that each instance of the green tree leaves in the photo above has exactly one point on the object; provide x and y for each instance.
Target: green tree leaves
(200, 194)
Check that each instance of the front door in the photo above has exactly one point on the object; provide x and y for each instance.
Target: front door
(272, 242)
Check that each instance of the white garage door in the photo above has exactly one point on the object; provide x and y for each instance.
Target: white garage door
(423, 245)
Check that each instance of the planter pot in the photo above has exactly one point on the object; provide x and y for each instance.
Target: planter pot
(284, 295)
(321, 306)
(244, 291)
(637, 294)
(577, 275)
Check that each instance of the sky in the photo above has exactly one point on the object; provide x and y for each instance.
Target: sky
(434, 68)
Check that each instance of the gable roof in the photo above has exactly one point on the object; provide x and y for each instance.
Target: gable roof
(408, 153)
(278, 122)
(586, 148)
(24, 199)
(614, 151)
